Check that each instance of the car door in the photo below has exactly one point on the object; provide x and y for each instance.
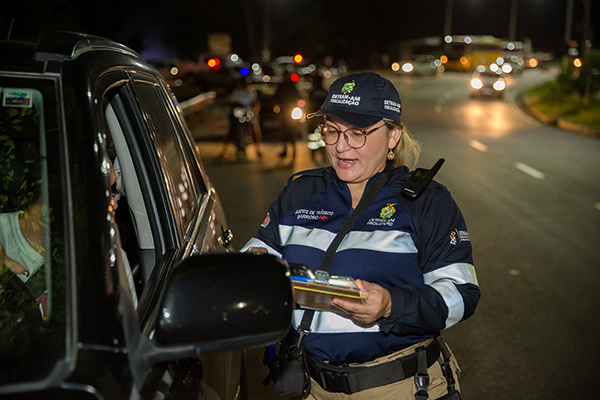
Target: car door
(173, 213)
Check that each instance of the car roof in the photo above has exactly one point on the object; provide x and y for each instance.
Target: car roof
(488, 72)
(60, 47)
(18, 56)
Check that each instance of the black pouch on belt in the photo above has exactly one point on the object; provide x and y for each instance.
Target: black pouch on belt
(289, 370)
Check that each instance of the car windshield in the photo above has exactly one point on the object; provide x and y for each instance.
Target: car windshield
(487, 75)
(32, 278)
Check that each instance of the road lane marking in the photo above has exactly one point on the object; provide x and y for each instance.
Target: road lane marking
(479, 146)
(530, 170)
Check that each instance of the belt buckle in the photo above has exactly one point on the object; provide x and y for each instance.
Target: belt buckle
(339, 381)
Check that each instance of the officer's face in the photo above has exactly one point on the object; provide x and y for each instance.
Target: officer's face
(356, 166)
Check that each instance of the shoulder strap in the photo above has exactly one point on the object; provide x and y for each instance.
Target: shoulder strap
(367, 198)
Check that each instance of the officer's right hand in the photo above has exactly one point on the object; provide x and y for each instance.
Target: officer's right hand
(13, 265)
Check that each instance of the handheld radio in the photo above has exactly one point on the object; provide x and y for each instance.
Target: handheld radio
(418, 180)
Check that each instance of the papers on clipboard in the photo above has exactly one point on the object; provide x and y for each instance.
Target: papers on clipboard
(316, 292)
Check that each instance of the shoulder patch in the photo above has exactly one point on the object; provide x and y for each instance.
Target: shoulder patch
(457, 236)
(266, 221)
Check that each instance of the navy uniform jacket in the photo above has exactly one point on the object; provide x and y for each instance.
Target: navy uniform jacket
(418, 250)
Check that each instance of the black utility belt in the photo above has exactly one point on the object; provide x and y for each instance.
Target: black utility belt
(354, 379)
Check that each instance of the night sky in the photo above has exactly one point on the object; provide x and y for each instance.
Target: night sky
(349, 29)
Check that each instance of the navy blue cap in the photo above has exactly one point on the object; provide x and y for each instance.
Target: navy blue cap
(362, 100)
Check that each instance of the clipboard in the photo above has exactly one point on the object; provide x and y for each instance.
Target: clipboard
(315, 295)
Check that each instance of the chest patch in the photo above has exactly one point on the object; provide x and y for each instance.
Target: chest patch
(388, 211)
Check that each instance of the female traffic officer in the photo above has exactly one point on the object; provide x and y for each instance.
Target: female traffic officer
(413, 258)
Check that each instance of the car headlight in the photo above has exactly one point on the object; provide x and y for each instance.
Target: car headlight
(407, 67)
(239, 112)
(499, 85)
(476, 83)
(297, 113)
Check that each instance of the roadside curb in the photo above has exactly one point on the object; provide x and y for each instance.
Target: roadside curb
(559, 122)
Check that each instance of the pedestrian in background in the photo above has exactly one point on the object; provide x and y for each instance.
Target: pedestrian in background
(287, 97)
(317, 96)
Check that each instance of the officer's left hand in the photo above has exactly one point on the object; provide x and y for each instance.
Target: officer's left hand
(377, 304)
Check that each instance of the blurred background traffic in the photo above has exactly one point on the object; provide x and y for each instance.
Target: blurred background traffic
(205, 47)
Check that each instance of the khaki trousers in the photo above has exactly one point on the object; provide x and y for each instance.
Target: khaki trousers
(401, 390)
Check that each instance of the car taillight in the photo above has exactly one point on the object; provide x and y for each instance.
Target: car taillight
(214, 63)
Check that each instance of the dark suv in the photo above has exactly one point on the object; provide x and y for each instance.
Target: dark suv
(118, 280)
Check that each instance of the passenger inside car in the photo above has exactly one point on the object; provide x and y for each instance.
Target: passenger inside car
(23, 214)
(22, 240)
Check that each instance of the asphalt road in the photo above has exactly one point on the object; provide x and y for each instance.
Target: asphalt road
(530, 194)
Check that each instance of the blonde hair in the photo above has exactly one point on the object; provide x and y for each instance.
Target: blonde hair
(408, 148)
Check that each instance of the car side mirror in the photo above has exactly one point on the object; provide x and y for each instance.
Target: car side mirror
(222, 301)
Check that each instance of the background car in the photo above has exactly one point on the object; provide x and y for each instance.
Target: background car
(487, 83)
(137, 298)
(422, 65)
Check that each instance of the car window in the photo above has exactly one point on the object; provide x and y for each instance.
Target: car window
(187, 144)
(32, 278)
(179, 182)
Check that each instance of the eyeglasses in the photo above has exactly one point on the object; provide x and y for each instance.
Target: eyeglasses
(356, 138)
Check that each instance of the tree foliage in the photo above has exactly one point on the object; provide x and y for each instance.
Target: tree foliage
(572, 79)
